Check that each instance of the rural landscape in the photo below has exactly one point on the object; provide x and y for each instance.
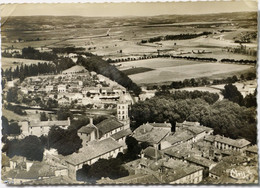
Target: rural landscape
(162, 99)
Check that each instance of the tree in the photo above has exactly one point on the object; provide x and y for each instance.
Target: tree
(43, 116)
(231, 93)
(64, 113)
(111, 168)
(65, 141)
(29, 147)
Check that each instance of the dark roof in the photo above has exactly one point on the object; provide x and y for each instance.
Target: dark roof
(151, 153)
(209, 138)
(121, 134)
(178, 137)
(108, 125)
(86, 130)
(200, 161)
(168, 125)
(93, 150)
(149, 134)
(220, 168)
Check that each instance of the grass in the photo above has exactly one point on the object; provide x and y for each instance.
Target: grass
(6, 63)
(136, 70)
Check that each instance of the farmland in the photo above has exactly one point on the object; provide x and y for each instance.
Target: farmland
(7, 63)
(174, 70)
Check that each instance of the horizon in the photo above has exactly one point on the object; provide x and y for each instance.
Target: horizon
(128, 9)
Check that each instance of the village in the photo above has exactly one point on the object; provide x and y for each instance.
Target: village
(184, 153)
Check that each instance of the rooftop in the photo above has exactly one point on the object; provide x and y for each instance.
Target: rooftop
(108, 125)
(151, 153)
(147, 133)
(93, 150)
(201, 161)
(252, 149)
(178, 137)
(121, 134)
(240, 143)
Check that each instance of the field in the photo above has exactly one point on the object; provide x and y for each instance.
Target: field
(166, 70)
(136, 70)
(7, 63)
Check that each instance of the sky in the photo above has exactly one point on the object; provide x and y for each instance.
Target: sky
(127, 9)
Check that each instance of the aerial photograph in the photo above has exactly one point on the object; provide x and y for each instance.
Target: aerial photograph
(129, 93)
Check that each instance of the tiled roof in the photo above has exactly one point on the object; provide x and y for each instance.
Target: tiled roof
(209, 138)
(180, 170)
(252, 149)
(161, 125)
(240, 143)
(108, 125)
(121, 134)
(178, 137)
(87, 129)
(198, 129)
(151, 152)
(93, 150)
(200, 161)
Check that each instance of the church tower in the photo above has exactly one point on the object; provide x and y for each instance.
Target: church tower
(122, 111)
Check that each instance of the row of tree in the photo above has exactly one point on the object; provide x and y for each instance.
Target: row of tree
(100, 66)
(176, 37)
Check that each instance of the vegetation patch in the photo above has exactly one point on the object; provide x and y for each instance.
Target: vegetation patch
(136, 70)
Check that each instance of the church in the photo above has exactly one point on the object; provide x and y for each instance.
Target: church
(115, 127)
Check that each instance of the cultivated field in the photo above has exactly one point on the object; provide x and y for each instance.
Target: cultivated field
(173, 70)
(7, 63)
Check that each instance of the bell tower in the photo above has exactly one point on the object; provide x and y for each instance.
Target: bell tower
(122, 111)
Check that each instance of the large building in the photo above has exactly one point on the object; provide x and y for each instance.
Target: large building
(95, 150)
(39, 128)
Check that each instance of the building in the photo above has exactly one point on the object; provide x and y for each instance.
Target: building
(122, 111)
(178, 172)
(95, 150)
(121, 136)
(224, 143)
(89, 132)
(62, 88)
(39, 128)
(48, 88)
(109, 127)
(177, 138)
(151, 135)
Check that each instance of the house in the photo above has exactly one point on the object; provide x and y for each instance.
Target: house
(109, 127)
(89, 132)
(48, 88)
(151, 135)
(74, 70)
(201, 161)
(63, 101)
(178, 172)
(151, 153)
(95, 150)
(177, 138)
(224, 143)
(252, 150)
(39, 128)
(62, 88)
(121, 136)
(199, 132)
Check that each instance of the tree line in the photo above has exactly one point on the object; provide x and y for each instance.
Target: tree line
(100, 66)
(225, 117)
(185, 36)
